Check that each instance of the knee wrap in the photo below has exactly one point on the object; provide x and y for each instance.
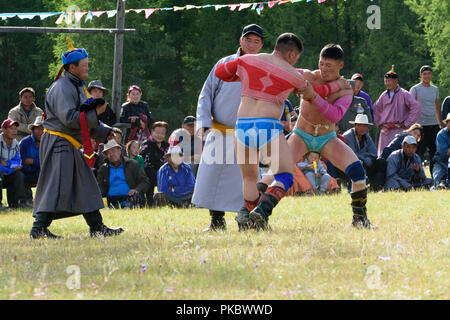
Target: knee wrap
(287, 179)
(355, 171)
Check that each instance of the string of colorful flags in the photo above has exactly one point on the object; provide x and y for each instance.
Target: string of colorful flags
(89, 15)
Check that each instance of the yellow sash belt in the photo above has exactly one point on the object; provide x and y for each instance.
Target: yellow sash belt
(72, 140)
(222, 128)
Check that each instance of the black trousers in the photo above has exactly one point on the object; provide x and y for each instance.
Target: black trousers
(377, 174)
(15, 188)
(428, 141)
(44, 219)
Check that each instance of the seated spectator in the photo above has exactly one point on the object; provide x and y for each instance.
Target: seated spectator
(134, 152)
(175, 181)
(29, 153)
(404, 168)
(117, 135)
(441, 157)
(139, 133)
(362, 145)
(11, 175)
(121, 180)
(25, 113)
(133, 108)
(153, 151)
(415, 130)
(314, 171)
(96, 90)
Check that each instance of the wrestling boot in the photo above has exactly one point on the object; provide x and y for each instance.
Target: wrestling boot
(243, 217)
(41, 233)
(101, 230)
(260, 215)
(359, 200)
(217, 221)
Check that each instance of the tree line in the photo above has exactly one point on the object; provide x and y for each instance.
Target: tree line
(173, 52)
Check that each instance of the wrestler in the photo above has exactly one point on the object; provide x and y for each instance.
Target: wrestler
(267, 80)
(314, 130)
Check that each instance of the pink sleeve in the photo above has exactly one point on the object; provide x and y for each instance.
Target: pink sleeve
(333, 112)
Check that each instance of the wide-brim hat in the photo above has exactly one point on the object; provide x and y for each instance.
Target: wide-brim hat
(111, 144)
(96, 84)
(446, 119)
(361, 119)
(37, 123)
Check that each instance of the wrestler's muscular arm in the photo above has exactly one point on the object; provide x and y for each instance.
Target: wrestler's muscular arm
(332, 88)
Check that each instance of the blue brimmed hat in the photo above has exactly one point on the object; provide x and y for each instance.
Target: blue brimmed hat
(74, 55)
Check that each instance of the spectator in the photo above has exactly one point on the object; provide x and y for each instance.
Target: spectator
(404, 168)
(415, 130)
(121, 180)
(135, 107)
(362, 145)
(445, 107)
(175, 181)
(25, 113)
(117, 135)
(441, 157)
(395, 110)
(428, 97)
(358, 106)
(11, 175)
(29, 153)
(153, 151)
(189, 142)
(134, 152)
(96, 90)
(314, 171)
(359, 83)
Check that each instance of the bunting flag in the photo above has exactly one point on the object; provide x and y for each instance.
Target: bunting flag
(68, 16)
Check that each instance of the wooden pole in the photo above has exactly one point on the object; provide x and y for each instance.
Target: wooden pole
(64, 30)
(118, 59)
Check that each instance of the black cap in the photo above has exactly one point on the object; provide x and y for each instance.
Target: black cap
(189, 120)
(252, 28)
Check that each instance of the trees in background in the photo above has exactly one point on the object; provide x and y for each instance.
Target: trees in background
(172, 52)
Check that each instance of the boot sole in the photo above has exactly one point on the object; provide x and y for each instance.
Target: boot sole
(259, 221)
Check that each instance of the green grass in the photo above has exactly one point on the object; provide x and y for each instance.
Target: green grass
(312, 253)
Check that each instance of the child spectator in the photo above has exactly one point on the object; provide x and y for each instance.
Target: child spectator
(175, 181)
(134, 152)
(315, 172)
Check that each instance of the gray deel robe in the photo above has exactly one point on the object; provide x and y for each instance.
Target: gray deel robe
(66, 185)
(219, 180)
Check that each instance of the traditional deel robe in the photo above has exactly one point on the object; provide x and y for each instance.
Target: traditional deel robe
(219, 179)
(401, 109)
(67, 185)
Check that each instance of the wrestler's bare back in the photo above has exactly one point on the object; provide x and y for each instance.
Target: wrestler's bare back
(253, 108)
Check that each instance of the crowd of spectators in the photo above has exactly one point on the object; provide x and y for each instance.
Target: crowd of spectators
(394, 138)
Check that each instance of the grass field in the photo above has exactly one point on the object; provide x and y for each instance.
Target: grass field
(311, 253)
